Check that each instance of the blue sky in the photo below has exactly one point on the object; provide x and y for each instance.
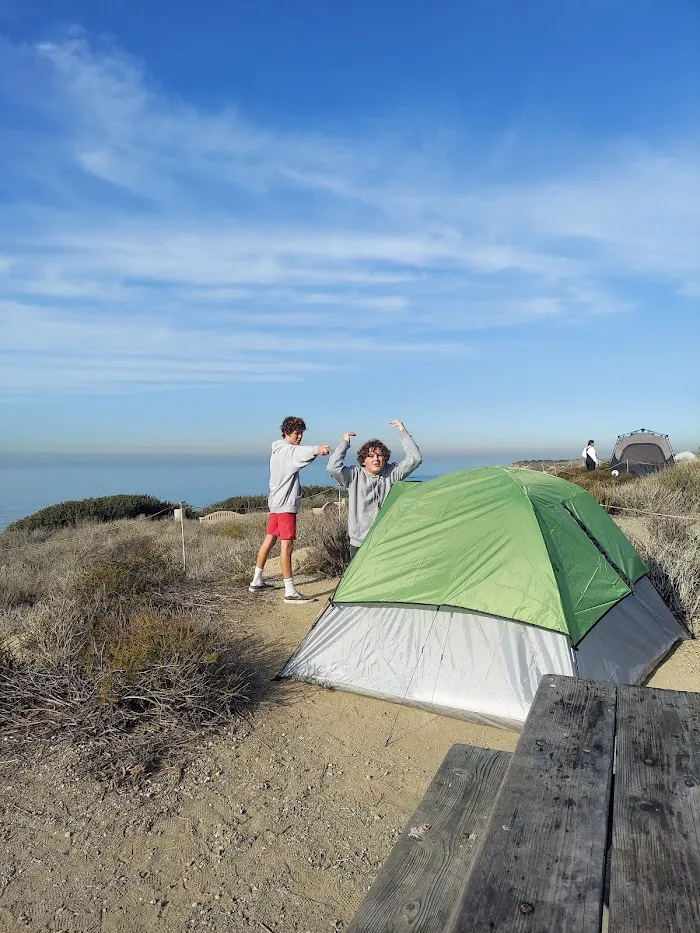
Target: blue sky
(481, 218)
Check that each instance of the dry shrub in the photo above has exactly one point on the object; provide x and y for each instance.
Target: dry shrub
(128, 692)
(124, 571)
(675, 491)
(30, 573)
(111, 662)
(19, 584)
(330, 554)
(670, 545)
(671, 550)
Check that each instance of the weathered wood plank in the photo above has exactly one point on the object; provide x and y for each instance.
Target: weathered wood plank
(655, 866)
(417, 885)
(542, 865)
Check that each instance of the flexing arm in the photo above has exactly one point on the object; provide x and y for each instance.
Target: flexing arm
(413, 458)
(340, 473)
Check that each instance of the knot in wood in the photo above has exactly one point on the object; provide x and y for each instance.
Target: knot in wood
(526, 908)
(648, 761)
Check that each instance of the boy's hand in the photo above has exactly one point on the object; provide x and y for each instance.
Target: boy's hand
(324, 450)
(348, 435)
(397, 424)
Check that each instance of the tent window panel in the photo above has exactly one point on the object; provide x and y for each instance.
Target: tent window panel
(588, 584)
(607, 537)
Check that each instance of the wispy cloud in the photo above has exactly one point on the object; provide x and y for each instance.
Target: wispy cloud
(142, 225)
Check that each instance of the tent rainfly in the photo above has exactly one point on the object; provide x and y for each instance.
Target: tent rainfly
(641, 452)
(472, 586)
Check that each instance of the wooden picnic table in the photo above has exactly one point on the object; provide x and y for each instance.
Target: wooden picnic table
(592, 824)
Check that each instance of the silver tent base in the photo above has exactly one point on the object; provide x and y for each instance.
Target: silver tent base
(477, 667)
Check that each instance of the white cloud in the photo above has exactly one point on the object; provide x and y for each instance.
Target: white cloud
(142, 222)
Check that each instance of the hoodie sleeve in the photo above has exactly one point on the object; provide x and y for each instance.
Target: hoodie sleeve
(340, 473)
(411, 461)
(303, 456)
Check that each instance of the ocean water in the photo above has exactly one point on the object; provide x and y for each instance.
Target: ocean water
(30, 482)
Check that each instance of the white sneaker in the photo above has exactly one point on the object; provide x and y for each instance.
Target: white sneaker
(299, 598)
(261, 587)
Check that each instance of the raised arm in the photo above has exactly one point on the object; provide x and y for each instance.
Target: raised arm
(413, 458)
(340, 473)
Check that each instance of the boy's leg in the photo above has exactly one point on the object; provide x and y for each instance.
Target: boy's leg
(288, 531)
(257, 585)
(286, 551)
(264, 551)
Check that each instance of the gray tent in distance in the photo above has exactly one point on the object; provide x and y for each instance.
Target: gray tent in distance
(642, 452)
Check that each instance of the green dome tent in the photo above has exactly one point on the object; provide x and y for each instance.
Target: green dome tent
(472, 586)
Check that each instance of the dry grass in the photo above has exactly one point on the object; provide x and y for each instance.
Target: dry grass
(34, 565)
(330, 553)
(673, 556)
(670, 546)
(675, 492)
(109, 644)
(112, 650)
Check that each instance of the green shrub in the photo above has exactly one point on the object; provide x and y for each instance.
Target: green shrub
(259, 502)
(594, 481)
(233, 530)
(102, 509)
(238, 504)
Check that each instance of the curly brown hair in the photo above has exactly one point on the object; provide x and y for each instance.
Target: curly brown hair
(374, 444)
(292, 424)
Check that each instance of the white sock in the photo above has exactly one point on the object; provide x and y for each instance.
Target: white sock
(289, 588)
(257, 576)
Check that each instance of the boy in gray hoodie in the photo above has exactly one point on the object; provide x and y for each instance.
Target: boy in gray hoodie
(287, 458)
(368, 484)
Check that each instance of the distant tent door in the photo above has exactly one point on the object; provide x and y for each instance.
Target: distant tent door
(642, 452)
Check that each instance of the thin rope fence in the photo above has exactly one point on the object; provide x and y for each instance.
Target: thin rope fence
(620, 508)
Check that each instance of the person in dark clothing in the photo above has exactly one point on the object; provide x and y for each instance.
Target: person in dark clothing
(590, 456)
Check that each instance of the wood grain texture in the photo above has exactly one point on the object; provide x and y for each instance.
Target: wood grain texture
(417, 887)
(542, 865)
(655, 865)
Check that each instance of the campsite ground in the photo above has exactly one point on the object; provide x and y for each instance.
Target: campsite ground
(278, 826)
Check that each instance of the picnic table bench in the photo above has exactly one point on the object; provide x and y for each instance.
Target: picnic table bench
(599, 804)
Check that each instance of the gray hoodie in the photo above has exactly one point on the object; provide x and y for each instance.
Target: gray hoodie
(366, 493)
(285, 462)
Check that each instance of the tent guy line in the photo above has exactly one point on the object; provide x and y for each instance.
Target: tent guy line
(408, 687)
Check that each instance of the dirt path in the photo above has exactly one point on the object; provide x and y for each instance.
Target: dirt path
(278, 826)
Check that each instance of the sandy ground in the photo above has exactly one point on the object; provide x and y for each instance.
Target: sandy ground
(278, 825)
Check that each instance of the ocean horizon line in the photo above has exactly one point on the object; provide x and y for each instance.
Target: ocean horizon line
(433, 453)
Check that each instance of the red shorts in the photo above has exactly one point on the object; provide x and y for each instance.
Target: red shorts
(282, 524)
